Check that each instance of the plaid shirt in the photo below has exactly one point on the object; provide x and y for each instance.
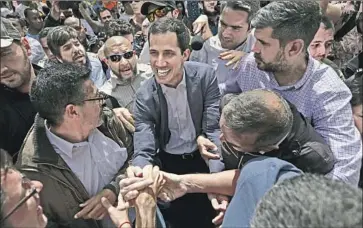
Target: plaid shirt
(321, 97)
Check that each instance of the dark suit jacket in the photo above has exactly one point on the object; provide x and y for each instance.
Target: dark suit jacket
(151, 112)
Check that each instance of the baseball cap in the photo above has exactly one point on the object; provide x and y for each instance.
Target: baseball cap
(8, 33)
(145, 7)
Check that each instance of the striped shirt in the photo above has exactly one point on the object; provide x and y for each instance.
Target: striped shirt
(322, 97)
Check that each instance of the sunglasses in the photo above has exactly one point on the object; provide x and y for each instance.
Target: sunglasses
(117, 57)
(26, 183)
(160, 12)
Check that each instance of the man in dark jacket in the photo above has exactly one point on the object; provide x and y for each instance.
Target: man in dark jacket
(261, 122)
(16, 111)
(73, 149)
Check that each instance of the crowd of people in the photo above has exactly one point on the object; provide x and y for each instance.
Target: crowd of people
(179, 114)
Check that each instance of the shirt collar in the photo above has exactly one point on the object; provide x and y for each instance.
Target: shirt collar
(64, 146)
(301, 82)
(182, 84)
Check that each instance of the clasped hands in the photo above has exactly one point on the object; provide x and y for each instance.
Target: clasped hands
(144, 186)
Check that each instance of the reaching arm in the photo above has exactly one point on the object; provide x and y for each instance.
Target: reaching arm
(144, 136)
(223, 183)
(95, 25)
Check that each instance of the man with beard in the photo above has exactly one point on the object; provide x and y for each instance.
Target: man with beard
(233, 37)
(77, 25)
(126, 74)
(280, 62)
(71, 149)
(63, 42)
(35, 23)
(16, 111)
(321, 46)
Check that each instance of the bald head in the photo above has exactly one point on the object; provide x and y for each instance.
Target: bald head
(259, 111)
(72, 21)
(116, 43)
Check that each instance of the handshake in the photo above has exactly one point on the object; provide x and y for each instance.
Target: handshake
(140, 188)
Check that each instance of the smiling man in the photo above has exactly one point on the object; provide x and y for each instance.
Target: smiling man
(63, 42)
(173, 111)
(126, 74)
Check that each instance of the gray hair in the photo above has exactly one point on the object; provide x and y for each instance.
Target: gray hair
(310, 201)
(57, 86)
(290, 20)
(59, 36)
(251, 112)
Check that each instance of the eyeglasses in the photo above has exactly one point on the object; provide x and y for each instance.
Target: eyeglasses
(99, 97)
(160, 12)
(117, 57)
(26, 184)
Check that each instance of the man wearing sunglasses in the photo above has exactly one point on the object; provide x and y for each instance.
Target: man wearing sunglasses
(76, 147)
(19, 197)
(126, 74)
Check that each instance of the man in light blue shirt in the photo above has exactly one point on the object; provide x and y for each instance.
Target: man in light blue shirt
(280, 62)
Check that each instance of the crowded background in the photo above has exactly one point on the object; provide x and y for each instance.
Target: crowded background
(181, 113)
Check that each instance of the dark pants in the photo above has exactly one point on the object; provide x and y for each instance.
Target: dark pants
(191, 210)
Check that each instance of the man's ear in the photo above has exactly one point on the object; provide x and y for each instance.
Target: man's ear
(71, 111)
(295, 48)
(176, 13)
(186, 55)
(26, 44)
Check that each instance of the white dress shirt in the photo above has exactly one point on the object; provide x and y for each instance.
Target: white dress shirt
(95, 162)
(182, 131)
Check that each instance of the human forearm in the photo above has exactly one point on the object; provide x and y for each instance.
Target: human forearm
(145, 206)
(145, 217)
(223, 183)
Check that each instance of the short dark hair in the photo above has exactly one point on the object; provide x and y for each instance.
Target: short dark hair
(118, 27)
(356, 86)
(44, 32)
(165, 24)
(249, 112)
(310, 201)
(57, 86)
(59, 36)
(28, 10)
(249, 6)
(102, 9)
(290, 20)
(328, 24)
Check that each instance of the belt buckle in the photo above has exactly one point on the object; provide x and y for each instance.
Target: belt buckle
(187, 156)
